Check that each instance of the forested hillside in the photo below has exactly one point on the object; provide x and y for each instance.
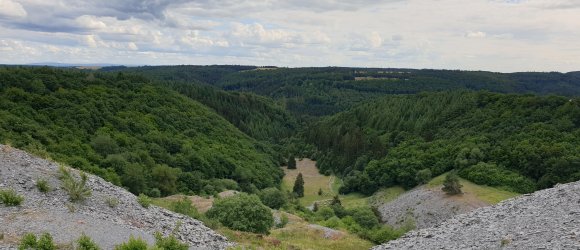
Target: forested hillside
(255, 115)
(314, 92)
(518, 142)
(141, 135)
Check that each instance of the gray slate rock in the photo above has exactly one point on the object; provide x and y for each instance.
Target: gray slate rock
(425, 208)
(547, 219)
(108, 226)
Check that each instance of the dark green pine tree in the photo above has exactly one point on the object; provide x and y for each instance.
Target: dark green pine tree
(291, 162)
(298, 188)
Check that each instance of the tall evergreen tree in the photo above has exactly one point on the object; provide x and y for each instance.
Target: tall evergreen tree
(298, 188)
(291, 162)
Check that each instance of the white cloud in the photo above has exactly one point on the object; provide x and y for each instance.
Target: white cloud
(90, 22)
(9, 8)
(476, 34)
(375, 39)
(504, 35)
(90, 41)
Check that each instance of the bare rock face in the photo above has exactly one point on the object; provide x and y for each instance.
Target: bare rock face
(426, 207)
(107, 225)
(547, 219)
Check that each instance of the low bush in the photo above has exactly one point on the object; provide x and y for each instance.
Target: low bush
(333, 222)
(380, 235)
(29, 241)
(185, 207)
(144, 200)
(133, 244)
(325, 213)
(10, 198)
(365, 217)
(242, 212)
(161, 243)
(273, 198)
(77, 189)
(112, 202)
(283, 221)
(86, 243)
(43, 186)
(169, 242)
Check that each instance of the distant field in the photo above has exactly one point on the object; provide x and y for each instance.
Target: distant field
(487, 194)
(313, 181)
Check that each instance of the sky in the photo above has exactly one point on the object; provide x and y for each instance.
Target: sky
(494, 35)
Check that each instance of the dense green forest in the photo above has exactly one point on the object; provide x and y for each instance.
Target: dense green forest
(131, 132)
(207, 128)
(255, 115)
(518, 142)
(314, 92)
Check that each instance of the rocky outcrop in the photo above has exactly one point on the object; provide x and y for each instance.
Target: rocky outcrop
(547, 219)
(425, 207)
(107, 224)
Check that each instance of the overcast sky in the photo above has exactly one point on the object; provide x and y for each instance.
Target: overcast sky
(496, 35)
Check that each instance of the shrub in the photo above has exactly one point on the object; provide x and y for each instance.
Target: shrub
(10, 198)
(325, 212)
(154, 192)
(29, 241)
(185, 207)
(423, 176)
(365, 217)
(335, 201)
(133, 244)
(283, 221)
(273, 198)
(451, 185)
(242, 212)
(169, 242)
(144, 200)
(45, 242)
(161, 243)
(339, 210)
(380, 235)
(333, 222)
(77, 189)
(351, 224)
(86, 243)
(43, 186)
(112, 202)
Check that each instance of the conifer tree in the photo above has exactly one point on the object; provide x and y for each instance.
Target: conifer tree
(298, 188)
(291, 162)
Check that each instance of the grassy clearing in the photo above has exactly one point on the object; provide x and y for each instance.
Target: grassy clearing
(386, 195)
(313, 181)
(297, 235)
(487, 194)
